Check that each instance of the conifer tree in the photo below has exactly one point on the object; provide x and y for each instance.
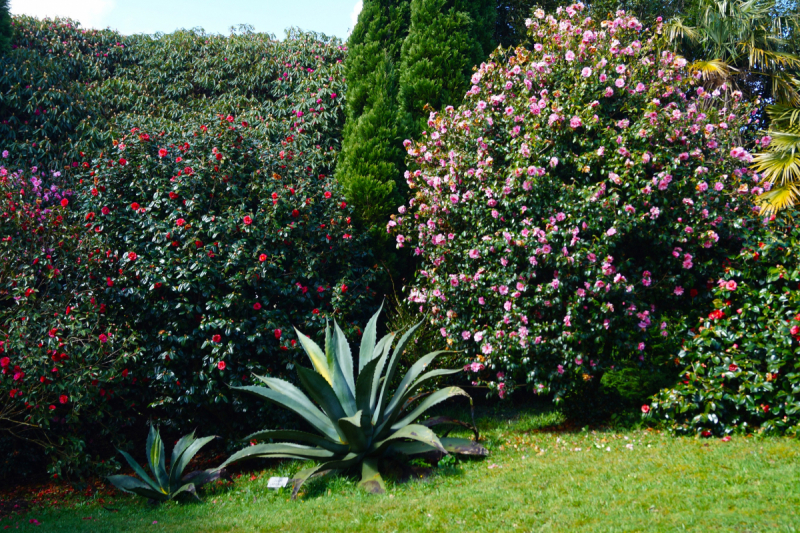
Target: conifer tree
(372, 153)
(5, 27)
(445, 40)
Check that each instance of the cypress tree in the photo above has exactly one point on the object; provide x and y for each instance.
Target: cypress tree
(370, 163)
(445, 40)
(5, 27)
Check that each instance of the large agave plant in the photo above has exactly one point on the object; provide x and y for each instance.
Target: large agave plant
(357, 417)
(168, 483)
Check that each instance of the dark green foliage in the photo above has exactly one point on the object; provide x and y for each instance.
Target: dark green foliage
(740, 364)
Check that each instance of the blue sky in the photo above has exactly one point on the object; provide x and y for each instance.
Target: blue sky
(333, 17)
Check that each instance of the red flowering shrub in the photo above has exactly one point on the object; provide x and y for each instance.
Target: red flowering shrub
(741, 359)
(233, 242)
(63, 372)
(200, 233)
(569, 215)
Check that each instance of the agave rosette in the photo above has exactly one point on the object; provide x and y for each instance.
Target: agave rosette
(357, 418)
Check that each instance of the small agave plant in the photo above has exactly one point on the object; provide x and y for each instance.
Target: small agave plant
(167, 484)
(357, 417)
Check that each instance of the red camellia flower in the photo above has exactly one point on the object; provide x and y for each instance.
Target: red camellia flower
(221, 365)
(732, 367)
(172, 195)
(295, 213)
(52, 407)
(109, 282)
(327, 194)
(256, 306)
(105, 210)
(103, 337)
(64, 202)
(274, 196)
(262, 257)
(5, 361)
(180, 222)
(162, 152)
(188, 171)
(344, 288)
(198, 244)
(248, 220)
(132, 256)
(706, 433)
(94, 191)
(157, 285)
(315, 311)
(125, 373)
(693, 292)
(63, 399)
(645, 409)
(135, 206)
(277, 334)
(123, 161)
(726, 438)
(217, 338)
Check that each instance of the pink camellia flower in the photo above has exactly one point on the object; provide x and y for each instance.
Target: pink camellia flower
(678, 290)
(180, 222)
(586, 72)
(103, 337)
(611, 232)
(731, 285)
(474, 254)
(248, 220)
(575, 122)
(221, 365)
(645, 409)
(257, 306)
(570, 55)
(560, 369)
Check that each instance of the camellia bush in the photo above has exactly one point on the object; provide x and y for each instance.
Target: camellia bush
(64, 365)
(741, 358)
(575, 211)
(215, 246)
(202, 223)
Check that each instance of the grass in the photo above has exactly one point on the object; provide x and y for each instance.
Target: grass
(540, 476)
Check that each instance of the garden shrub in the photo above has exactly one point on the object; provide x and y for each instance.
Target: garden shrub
(249, 116)
(741, 359)
(570, 215)
(65, 366)
(219, 246)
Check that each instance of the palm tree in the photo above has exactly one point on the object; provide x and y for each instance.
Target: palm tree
(751, 44)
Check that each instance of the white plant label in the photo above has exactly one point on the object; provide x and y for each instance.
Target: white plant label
(277, 482)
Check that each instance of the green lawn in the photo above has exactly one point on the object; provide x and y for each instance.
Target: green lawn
(535, 479)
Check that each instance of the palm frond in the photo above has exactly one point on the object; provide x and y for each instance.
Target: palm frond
(779, 198)
(785, 88)
(712, 69)
(783, 116)
(781, 164)
(676, 30)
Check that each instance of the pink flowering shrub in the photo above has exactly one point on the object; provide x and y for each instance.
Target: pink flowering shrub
(569, 214)
(741, 359)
